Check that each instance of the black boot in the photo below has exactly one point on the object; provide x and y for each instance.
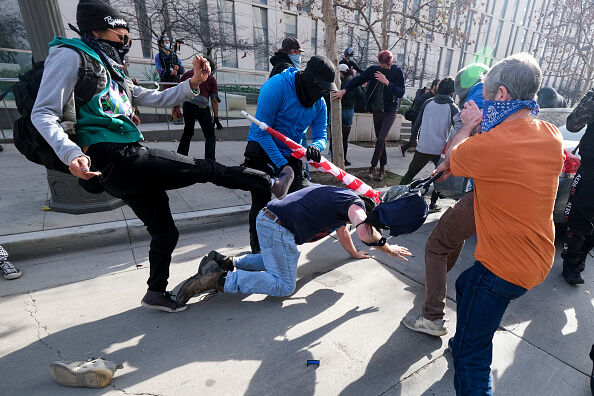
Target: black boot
(346, 131)
(254, 243)
(573, 258)
(592, 376)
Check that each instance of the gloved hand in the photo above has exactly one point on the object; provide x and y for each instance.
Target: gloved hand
(313, 154)
(216, 123)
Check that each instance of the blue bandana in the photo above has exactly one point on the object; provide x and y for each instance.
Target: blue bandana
(496, 111)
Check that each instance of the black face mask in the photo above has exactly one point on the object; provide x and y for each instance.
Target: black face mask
(308, 92)
(119, 48)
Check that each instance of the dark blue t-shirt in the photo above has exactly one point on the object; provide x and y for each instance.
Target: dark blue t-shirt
(314, 212)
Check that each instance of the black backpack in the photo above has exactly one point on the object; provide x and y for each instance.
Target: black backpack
(26, 137)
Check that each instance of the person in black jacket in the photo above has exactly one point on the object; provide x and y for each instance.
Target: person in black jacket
(348, 60)
(348, 106)
(385, 86)
(289, 55)
(579, 212)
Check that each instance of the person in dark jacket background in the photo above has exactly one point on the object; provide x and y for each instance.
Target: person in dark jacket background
(289, 55)
(348, 106)
(416, 109)
(384, 89)
(579, 213)
(349, 54)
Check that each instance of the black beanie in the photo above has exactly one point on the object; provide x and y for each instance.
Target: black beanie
(98, 15)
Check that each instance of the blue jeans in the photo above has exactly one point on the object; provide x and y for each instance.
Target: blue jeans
(347, 116)
(274, 270)
(482, 298)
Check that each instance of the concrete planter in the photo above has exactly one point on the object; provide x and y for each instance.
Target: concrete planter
(362, 130)
(69, 197)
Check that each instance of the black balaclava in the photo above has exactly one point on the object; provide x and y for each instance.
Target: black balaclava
(307, 91)
(98, 15)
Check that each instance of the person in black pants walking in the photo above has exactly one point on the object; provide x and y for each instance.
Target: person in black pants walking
(197, 109)
(385, 87)
(579, 212)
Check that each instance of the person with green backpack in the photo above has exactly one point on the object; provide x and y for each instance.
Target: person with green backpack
(98, 140)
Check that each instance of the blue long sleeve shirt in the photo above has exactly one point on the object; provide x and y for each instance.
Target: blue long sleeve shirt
(279, 107)
(392, 92)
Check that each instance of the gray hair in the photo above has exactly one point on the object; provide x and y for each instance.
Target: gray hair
(519, 73)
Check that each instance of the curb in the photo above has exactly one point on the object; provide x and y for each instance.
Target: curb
(62, 240)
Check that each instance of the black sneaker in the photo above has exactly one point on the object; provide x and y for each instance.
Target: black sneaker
(9, 271)
(215, 262)
(283, 182)
(162, 301)
(434, 208)
(573, 276)
(347, 162)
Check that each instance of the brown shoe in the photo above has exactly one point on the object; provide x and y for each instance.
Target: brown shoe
(380, 175)
(371, 171)
(283, 182)
(198, 284)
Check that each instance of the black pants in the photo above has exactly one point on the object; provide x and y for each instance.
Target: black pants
(382, 123)
(417, 163)
(579, 213)
(256, 158)
(141, 175)
(192, 113)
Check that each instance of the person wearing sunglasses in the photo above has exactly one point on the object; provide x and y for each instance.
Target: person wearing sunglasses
(290, 102)
(105, 134)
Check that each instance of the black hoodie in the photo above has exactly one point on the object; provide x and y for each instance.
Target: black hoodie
(279, 63)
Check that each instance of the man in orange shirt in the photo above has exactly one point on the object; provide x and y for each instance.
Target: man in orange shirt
(515, 164)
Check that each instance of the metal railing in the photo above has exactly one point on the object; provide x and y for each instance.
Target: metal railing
(228, 92)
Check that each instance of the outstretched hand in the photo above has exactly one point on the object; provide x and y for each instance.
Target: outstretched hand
(360, 254)
(79, 167)
(399, 251)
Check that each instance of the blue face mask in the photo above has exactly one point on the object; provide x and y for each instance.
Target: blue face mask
(167, 46)
(494, 112)
(296, 59)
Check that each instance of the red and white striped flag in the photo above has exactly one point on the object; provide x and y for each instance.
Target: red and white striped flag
(324, 165)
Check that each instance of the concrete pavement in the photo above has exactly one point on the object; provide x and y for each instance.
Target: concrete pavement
(345, 313)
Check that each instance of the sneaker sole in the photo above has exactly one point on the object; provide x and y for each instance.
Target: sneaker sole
(434, 333)
(88, 378)
(162, 308)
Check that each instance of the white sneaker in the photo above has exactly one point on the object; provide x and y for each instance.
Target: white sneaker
(9, 271)
(94, 373)
(422, 325)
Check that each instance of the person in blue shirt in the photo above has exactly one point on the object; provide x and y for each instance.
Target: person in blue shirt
(385, 87)
(290, 102)
(304, 216)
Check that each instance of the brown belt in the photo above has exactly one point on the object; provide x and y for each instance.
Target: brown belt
(271, 215)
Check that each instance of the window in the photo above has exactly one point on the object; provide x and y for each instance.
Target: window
(144, 27)
(504, 9)
(448, 62)
(400, 59)
(260, 20)
(290, 25)
(226, 11)
(261, 1)
(314, 36)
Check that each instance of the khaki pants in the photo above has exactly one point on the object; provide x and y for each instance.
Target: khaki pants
(442, 250)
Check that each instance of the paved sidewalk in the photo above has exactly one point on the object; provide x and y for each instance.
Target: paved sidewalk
(345, 313)
(24, 191)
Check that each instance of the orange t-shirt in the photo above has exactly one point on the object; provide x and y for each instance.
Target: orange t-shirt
(515, 167)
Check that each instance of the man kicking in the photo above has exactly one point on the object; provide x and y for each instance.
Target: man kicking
(304, 216)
